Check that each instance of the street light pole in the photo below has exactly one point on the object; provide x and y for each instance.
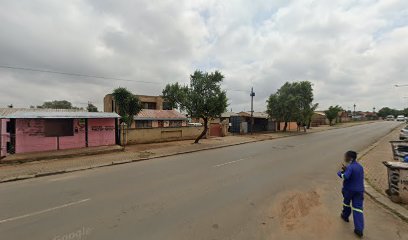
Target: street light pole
(252, 109)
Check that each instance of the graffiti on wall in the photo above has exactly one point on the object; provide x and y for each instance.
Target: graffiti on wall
(102, 128)
(31, 127)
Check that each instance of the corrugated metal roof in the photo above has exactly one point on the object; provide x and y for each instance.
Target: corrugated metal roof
(256, 114)
(228, 114)
(52, 113)
(150, 114)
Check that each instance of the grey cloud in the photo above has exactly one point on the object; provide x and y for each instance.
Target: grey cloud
(352, 51)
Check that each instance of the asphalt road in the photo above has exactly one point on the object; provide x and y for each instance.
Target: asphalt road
(280, 189)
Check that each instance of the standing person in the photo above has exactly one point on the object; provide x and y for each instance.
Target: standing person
(353, 191)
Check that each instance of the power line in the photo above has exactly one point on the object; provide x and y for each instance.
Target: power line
(74, 74)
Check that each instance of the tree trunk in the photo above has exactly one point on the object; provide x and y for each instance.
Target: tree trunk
(204, 131)
(285, 127)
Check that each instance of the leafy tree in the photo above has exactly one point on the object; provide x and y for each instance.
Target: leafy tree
(385, 111)
(91, 108)
(303, 92)
(332, 113)
(280, 105)
(128, 105)
(175, 93)
(57, 104)
(292, 102)
(202, 98)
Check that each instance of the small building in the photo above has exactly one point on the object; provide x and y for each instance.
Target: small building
(148, 118)
(241, 122)
(319, 118)
(152, 126)
(36, 130)
(344, 116)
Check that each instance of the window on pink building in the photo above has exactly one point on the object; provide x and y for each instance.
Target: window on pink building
(58, 127)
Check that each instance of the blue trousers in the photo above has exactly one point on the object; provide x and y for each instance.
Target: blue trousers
(353, 202)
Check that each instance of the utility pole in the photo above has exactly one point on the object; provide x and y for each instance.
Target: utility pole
(252, 109)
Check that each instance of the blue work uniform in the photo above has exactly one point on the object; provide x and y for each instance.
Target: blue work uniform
(353, 193)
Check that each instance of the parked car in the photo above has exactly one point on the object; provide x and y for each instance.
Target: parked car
(404, 133)
(390, 118)
(401, 118)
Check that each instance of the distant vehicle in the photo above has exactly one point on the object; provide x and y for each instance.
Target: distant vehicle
(404, 133)
(390, 118)
(401, 118)
(195, 124)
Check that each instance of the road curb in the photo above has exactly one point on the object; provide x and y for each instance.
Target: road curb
(75, 169)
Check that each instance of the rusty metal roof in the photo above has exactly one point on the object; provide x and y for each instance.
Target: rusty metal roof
(52, 113)
(150, 114)
(255, 114)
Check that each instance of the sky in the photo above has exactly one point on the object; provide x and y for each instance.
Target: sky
(353, 51)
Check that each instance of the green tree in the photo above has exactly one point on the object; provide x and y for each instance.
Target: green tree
(332, 113)
(303, 92)
(91, 108)
(292, 102)
(57, 104)
(174, 95)
(385, 111)
(202, 98)
(128, 105)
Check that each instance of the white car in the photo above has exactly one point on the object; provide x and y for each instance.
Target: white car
(401, 118)
(404, 133)
(390, 118)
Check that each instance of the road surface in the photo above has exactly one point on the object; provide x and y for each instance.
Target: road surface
(280, 189)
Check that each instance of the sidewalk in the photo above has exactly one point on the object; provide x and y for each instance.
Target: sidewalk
(139, 152)
(376, 173)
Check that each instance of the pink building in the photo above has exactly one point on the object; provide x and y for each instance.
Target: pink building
(36, 130)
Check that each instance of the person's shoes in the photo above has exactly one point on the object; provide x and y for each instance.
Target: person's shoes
(358, 233)
(344, 218)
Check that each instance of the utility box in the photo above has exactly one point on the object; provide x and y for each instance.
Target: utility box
(397, 181)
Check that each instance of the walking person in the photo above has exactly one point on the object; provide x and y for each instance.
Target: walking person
(353, 191)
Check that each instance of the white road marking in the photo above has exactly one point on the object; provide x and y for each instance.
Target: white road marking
(44, 211)
(62, 178)
(235, 161)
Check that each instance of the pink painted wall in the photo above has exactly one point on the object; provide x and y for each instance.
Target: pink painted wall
(30, 135)
(101, 132)
(4, 137)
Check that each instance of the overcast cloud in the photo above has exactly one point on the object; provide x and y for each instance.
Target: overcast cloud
(352, 51)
